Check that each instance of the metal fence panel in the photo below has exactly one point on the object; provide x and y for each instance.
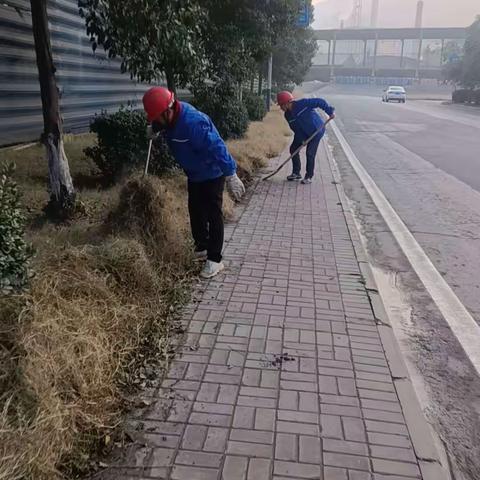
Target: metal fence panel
(89, 82)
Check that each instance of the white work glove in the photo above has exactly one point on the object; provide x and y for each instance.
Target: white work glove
(235, 187)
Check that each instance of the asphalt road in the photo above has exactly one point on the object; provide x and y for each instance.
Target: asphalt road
(425, 157)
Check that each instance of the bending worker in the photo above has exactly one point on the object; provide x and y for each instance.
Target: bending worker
(197, 146)
(304, 121)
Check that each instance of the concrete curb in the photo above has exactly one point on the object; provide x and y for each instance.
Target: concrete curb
(424, 444)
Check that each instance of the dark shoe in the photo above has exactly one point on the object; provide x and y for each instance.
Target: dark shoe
(200, 255)
(293, 177)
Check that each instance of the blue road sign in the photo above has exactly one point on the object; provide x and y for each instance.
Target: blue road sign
(453, 58)
(304, 14)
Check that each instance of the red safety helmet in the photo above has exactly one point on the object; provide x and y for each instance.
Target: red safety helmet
(284, 97)
(157, 101)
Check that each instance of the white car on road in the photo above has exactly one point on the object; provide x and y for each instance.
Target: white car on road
(397, 94)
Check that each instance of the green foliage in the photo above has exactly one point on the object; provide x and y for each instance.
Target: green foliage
(461, 96)
(466, 69)
(188, 41)
(122, 142)
(255, 106)
(15, 253)
(292, 57)
(123, 145)
(221, 104)
(471, 58)
(161, 161)
(151, 37)
(466, 96)
(240, 35)
(452, 72)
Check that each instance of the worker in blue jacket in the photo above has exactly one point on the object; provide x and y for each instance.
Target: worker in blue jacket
(198, 148)
(304, 122)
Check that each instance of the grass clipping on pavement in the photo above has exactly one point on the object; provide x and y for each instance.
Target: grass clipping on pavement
(101, 309)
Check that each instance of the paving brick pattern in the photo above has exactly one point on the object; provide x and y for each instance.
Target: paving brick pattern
(283, 375)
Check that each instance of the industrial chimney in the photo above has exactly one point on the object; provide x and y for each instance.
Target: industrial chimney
(419, 16)
(374, 17)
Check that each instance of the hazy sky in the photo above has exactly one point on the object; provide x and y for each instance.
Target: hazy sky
(399, 13)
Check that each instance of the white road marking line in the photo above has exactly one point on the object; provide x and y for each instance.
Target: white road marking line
(457, 316)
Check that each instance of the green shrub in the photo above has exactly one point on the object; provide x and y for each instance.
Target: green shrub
(162, 160)
(476, 97)
(15, 253)
(463, 96)
(123, 145)
(255, 105)
(221, 104)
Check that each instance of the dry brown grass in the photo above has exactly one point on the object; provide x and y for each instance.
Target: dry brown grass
(264, 140)
(93, 313)
(100, 308)
(32, 174)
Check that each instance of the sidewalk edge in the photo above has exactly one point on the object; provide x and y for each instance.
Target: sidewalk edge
(426, 449)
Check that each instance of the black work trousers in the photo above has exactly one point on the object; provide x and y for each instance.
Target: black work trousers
(311, 155)
(205, 200)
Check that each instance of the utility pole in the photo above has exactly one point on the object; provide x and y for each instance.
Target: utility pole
(374, 16)
(419, 15)
(357, 14)
(419, 25)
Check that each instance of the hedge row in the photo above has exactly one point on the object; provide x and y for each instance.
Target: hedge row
(466, 96)
(122, 139)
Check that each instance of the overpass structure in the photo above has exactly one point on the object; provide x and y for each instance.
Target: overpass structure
(408, 53)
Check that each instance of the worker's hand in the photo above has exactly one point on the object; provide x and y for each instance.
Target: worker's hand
(235, 187)
(150, 133)
(332, 116)
(153, 130)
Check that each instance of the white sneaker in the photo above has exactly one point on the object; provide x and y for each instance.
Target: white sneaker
(211, 269)
(307, 181)
(200, 254)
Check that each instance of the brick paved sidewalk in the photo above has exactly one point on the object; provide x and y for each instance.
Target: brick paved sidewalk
(283, 375)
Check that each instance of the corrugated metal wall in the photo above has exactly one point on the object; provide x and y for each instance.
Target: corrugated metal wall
(88, 82)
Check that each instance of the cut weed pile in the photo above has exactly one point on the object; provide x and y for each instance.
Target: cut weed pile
(99, 320)
(97, 315)
(156, 211)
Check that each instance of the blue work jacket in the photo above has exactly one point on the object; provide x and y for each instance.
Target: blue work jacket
(304, 120)
(197, 146)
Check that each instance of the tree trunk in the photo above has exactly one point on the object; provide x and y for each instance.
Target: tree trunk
(260, 84)
(171, 84)
(62, 193)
